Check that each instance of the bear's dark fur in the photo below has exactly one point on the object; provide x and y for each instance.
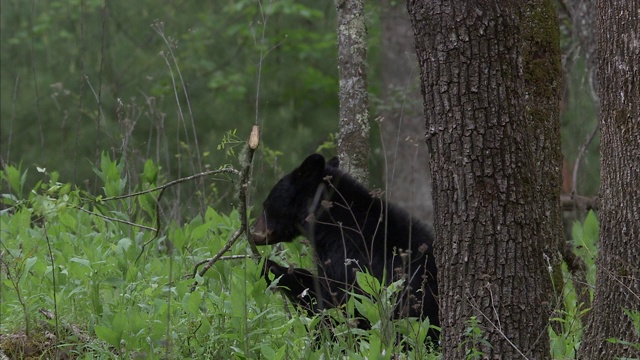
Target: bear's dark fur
(351, 230)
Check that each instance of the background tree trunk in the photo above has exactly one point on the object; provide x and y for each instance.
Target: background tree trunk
(407, 179)
(542, 80)
(618, 273)
(353, 135)
(582, 13)
(486, 206)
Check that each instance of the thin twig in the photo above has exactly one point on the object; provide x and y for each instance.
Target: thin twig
(53, 280)
(171, 183)
(210, 262)
(115, 219)
(158, 225)
(494, 325)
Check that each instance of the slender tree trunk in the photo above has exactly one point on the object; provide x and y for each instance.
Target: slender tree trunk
(582, 14)
(618, 272)
(487, 208)
(353, 135)
(407, 177)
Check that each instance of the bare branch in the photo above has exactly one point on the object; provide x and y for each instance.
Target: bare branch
(169, 184)
(115, 219)
(572, 202)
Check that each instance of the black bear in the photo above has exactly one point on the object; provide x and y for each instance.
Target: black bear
(350, 229)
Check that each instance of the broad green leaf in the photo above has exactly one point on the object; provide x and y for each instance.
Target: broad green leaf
(67, 220)
(111, 336)
(123, 245)
(369, 284)
(200, 231)
(191, 302)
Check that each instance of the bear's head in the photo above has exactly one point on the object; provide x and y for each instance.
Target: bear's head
(287, 206)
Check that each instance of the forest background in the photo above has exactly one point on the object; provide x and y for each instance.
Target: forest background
(93, 90)
(83, 77)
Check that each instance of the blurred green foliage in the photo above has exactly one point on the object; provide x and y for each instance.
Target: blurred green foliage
(80, 77)
(578, 120)
(83, 77)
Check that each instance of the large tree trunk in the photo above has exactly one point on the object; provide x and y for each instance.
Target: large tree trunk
(353, 134)
(487, 208)
(406, 157)
(618, 272)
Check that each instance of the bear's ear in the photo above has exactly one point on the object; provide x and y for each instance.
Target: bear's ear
(311, 169)
(334, 162)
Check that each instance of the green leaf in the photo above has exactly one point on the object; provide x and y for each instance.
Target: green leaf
(111, 336)
(200, 231)
(267, 351)
(123, 245)
(14, 179)
(191, 302)
(84, 262)
(369, 284)
(591, 228)
(28, 264)
(365, 306)
(67, 220)
(150, 172)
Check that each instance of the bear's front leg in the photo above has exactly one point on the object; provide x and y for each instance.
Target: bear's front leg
(299, 285)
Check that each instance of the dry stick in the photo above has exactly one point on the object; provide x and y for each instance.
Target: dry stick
(574, 202)
(210, 262)
(254, 141)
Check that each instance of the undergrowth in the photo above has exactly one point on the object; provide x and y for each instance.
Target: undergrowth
(87, 276)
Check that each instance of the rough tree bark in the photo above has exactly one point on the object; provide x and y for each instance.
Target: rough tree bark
(407, 177)
(484, 173)
(618, 273)
(353, 135)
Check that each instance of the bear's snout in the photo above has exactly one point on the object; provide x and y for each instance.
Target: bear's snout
(260, 231)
